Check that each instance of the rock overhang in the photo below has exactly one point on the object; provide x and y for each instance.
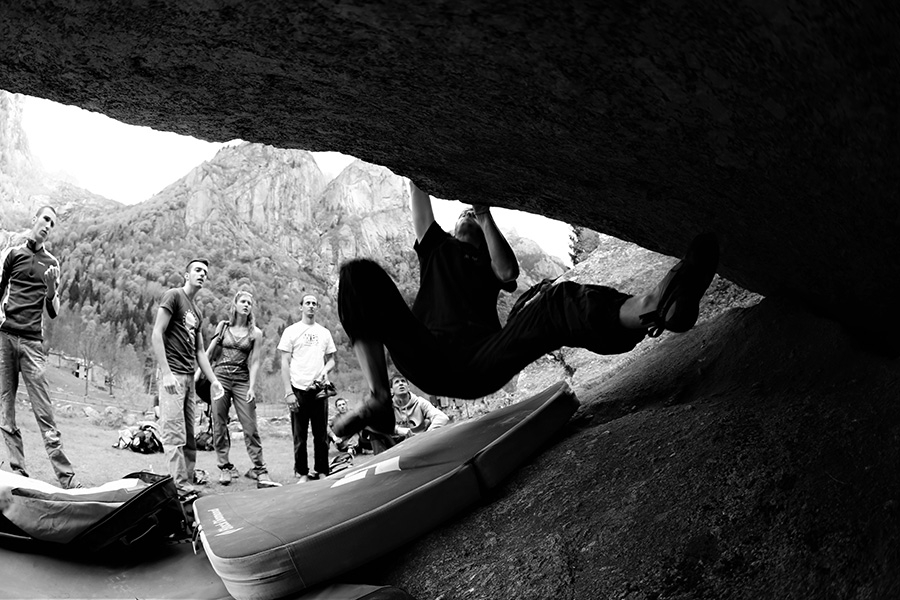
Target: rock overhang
(775, 126)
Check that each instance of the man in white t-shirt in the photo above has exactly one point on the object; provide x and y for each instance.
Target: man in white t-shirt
(307, 356)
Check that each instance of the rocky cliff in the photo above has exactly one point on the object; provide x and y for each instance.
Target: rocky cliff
(281, 196)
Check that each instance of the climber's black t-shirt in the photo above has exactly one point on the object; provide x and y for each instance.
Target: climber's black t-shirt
(457, 299)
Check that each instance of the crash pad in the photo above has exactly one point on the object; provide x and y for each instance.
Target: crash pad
(171, 572)
(266, 544)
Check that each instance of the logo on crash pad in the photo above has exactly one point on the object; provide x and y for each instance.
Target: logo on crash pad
(223, 527)
(391, 464)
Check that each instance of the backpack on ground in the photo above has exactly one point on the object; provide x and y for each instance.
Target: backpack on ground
(204, 433)
(143, 437)
(141, 509)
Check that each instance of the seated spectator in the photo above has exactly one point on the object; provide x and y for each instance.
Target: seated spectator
(348, 444)
(412, 415)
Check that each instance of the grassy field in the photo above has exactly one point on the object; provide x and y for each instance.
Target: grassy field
(88, 441)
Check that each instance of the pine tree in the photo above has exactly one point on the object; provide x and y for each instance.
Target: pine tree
(583, 242)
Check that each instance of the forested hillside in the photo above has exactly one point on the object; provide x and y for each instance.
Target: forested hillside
(265, 218)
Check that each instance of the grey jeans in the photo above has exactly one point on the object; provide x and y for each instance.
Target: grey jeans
(18, 355)
(236, 390)
(176, 424)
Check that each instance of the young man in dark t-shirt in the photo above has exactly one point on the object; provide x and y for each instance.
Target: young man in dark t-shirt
(28, 284)
(179, 348)
(451, 342)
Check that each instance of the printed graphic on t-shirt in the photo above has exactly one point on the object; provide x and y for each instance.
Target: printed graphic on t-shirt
(190, 323)
(308, 339)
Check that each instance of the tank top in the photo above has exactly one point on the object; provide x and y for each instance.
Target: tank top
(235, 359)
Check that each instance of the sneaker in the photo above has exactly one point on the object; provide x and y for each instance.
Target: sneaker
(251, 474)
(264, 481)
(683, 287)
(302, 478)
(226, 476)
(377, 416)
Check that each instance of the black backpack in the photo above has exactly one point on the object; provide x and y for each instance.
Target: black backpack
(125, 520)
(204, 438)
(146, 440)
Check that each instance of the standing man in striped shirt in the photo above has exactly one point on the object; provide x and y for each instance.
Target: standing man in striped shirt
(29, 282)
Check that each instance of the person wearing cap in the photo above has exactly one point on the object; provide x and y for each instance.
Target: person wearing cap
(412, 415)
(178, 345)
(29, 283)
(307, 356)
(451, 342)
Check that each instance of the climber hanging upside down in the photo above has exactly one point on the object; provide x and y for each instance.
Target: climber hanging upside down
(451, 342)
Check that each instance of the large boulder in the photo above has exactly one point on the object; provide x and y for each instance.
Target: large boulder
(756, 457)
(774, 125)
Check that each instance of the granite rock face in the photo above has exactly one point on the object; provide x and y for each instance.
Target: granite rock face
(774, 125)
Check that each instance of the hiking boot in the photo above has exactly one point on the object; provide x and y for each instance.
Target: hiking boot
(377, 416)
(264, 481)
(683, 287)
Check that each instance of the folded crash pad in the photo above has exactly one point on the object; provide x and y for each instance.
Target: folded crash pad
(267, 544)
(119, 516)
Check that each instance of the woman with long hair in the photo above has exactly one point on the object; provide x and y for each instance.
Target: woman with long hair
(236, 367)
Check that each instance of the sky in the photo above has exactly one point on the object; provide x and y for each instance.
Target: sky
(130, 164)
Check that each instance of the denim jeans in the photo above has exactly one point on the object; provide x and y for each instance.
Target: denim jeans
(176, 424)
(236, 390)
(18, 355)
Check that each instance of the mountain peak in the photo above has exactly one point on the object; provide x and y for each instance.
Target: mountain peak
(24, 184)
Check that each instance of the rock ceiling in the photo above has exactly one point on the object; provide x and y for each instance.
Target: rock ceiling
(774, 124)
